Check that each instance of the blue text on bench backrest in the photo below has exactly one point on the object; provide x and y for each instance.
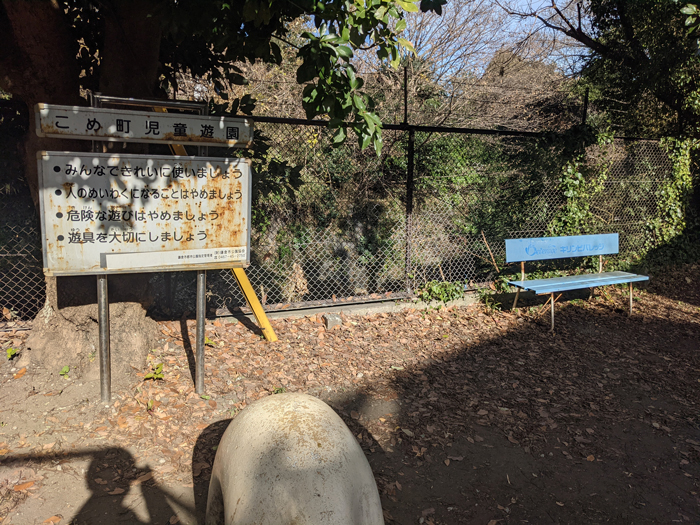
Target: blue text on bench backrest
(561, 247)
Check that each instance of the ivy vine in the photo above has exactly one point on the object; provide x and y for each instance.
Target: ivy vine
(674, 195)
(580, 182)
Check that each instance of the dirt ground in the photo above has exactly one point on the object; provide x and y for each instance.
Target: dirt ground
(466, 415)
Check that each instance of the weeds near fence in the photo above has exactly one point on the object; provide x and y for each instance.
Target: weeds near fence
(441, 291)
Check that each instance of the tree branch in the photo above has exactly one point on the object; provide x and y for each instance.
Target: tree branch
(286, 41)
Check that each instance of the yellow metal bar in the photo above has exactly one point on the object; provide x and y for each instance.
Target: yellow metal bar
(254, 304)
(239, 273)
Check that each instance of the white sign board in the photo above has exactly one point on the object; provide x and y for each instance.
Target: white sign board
(141, 126)
(104, 213)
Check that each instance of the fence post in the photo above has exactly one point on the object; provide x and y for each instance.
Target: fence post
(409, 207)
(405, 95)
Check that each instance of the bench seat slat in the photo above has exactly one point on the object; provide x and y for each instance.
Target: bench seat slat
(577, 282)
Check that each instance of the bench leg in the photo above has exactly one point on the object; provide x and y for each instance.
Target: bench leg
(552, 312)
(517, 293)
(630, 299)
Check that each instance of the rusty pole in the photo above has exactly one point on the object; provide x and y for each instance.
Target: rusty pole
(199, 338)
(103, 342)
(552, 311)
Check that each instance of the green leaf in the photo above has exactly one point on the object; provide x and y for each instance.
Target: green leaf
(378, 143)
(359, 103)
(365, 139)
(344, 51)
(409, 7)
(339, 136)
(64, 371)
(405, 43)
(11, 352)
(352, 78)
(370, 123)
(205, 397)
(400, 26)
(395, 58)
(306, 73)
(207, 342)
(689, 9)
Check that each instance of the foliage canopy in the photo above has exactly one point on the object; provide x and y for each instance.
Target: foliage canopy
(153, 40)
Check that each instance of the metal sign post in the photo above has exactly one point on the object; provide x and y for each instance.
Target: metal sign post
(246, 290)
(200, 337)
(103, 323)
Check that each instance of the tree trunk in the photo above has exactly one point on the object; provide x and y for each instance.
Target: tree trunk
(38, 64)
(131, 50)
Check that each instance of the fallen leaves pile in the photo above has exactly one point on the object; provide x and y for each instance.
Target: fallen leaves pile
(419, 388)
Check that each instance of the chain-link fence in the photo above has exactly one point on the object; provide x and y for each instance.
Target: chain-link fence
(22, 286)
(333, 225)
(328, 225)
(498, 188)
(337, 225)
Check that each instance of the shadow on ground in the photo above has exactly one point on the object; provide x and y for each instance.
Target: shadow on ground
(584, 425)
(501, 420)
(595, 423)
(104, 506)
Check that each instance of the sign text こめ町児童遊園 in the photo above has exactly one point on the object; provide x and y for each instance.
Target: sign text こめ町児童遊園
(120, 125)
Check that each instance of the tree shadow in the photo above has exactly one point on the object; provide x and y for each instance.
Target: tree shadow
(112, 466)
(594, 423)
(202, 460)
(187, 345)
(681, 255)
(546, 428)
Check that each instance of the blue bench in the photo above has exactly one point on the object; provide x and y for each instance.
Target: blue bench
(543, 248)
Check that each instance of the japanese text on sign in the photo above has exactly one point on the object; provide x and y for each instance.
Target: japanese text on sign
(141, 126)
(104, 213)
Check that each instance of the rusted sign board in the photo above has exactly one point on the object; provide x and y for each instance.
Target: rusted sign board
(105, 213)
(141, 126)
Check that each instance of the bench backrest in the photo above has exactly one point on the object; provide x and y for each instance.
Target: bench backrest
(561, 247)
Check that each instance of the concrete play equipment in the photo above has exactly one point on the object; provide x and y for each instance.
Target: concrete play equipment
(289, 459)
